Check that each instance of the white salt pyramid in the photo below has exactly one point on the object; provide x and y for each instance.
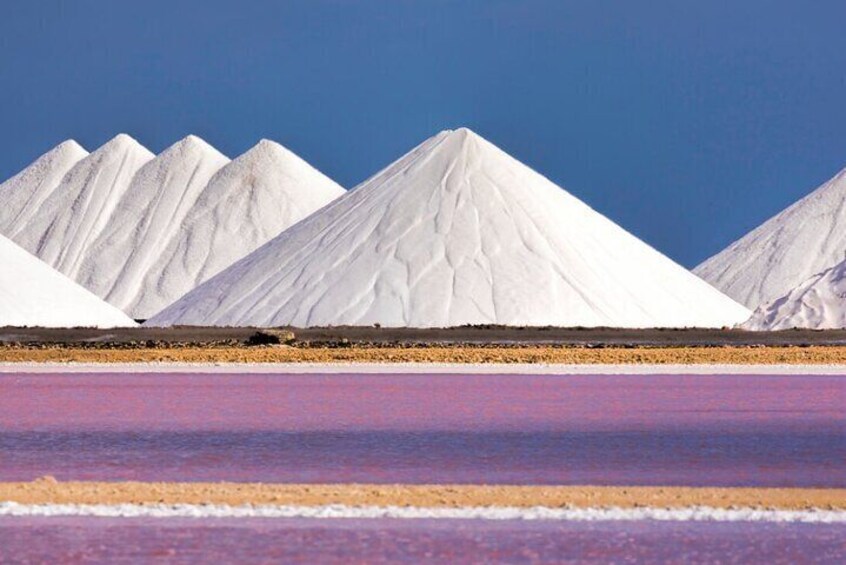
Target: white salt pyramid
(23, 194)
(34, 294)
(455, 232)
(783, 252)
(818, 303)
(247, 203)
(65, 226)
(149, 214)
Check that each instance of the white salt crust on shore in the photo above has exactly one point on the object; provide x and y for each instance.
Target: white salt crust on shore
(693, 514)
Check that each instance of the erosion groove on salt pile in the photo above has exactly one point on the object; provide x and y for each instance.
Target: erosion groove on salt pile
(244, 205)
(147, 217)
(818, 303)
(34, 294)
(65, 226)
(23, 194)
(780, 254)
(455, 232)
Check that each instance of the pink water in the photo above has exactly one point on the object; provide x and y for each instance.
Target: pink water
(99, 540)
(519, 429)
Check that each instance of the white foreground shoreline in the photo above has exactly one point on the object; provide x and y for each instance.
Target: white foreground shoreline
(424, 368)
(689, 514)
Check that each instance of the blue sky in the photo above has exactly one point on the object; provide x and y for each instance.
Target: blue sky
(686, 122)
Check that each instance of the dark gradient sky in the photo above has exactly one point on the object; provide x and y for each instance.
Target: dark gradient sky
(686, 122)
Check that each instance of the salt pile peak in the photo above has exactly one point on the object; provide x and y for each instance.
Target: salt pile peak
(34, 294)
(23, 194)
(246, 203)
(804, 239)
(818, 303)
(79, 208)
(143, 222)
(455, 232)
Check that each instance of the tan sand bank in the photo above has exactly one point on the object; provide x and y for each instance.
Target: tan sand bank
(435, 354)
(48, 491)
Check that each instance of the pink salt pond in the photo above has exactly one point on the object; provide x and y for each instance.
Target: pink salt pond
(720, 430)
(103, 540)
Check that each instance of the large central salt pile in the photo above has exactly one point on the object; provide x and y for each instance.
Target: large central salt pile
(783, 252)
(65, 226)
(34, 294)
(455, 232)
(23, 194)
(818, 303)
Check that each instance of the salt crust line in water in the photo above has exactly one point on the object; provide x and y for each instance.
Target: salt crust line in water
(694, 513)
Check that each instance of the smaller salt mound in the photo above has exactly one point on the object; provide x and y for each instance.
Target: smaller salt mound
(64, 227)
(247, 203)
(804, 239)
(34, 294)
(147, 216)
(23, 194)
(818, 303)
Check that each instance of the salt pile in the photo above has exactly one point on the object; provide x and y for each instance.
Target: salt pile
(786, 250)
(34, 294)
(246, 203)
(818, 303)
(143, 221)
(63, 228)
(140, 231)
(23, 194)
(455, 232)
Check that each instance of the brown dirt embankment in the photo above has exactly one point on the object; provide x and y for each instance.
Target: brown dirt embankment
(433, 354)
(49, 491)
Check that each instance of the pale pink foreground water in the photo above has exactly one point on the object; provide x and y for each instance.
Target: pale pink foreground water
(103, 540)
(520, 429)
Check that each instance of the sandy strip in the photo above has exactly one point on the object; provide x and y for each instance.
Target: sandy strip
(697, 514)
(48, 491)
(813, 355)
(418, 368)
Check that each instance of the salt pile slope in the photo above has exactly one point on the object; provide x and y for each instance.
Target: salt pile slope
(247, 203)
(818, 303)
(23, 194)
(70, 219)
(799, 242)
(455, 232)
(120, 263)
(34, 294)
